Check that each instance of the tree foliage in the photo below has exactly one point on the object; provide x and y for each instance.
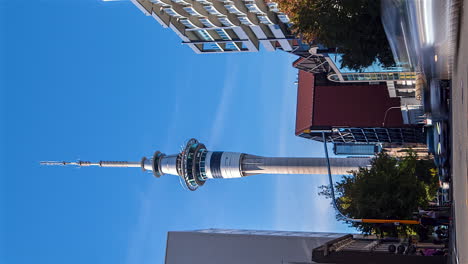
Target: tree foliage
(352, 26)
(390, 189)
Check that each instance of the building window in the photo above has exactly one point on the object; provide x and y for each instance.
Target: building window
(159, 2)
(212, 10)
(253, 8)
(283, 18)
(187, 23)
(213, 47)
(244, 20)
(232, 9)
(181, 2)
(265, 20)
(172, 12)
(225, 21)
(207, 22)
(223, 34)
(191, 11)
(273, 7)
(231, 46)
(205, 35)
(203, 2)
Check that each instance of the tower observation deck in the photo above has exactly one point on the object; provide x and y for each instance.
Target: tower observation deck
(195, 164)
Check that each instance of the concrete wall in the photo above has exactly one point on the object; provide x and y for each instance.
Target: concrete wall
(216, 248)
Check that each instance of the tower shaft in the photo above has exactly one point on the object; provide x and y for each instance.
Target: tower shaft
(281, 165)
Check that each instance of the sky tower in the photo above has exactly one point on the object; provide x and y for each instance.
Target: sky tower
(195, 164)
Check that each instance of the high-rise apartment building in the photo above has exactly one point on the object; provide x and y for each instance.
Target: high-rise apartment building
(218, 26)
(233, 246)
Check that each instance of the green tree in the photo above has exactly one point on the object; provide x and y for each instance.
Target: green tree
(390, 189)
(354, 27)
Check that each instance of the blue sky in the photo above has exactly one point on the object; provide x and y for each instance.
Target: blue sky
(91, 80)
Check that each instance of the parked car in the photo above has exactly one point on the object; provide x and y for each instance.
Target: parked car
(439, 99)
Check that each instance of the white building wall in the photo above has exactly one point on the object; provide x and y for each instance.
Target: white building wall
(259, 247)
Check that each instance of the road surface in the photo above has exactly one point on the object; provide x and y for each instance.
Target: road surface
(460, 139)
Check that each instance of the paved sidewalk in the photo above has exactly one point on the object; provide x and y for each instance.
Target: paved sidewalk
(460, 139)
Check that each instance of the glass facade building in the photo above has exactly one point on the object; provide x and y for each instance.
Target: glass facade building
(373, 77)
(374, 73)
